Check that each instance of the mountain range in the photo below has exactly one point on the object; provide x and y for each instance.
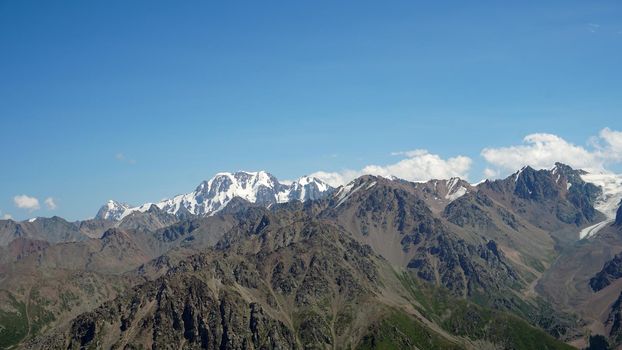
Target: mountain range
(213, 195)
(531, 261)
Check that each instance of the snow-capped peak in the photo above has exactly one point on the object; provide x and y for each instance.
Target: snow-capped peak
(112, 210)
(304, 189)
(212, 195)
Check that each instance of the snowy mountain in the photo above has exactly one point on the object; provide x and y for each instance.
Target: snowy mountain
(608, 202)
(112, 210)
(214, 194)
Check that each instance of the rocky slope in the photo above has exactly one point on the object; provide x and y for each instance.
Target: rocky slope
(377, 263)
(610, 272)
(284, 280)
(394, 221)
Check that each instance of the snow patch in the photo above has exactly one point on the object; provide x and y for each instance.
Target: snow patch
(454, 190)
(608, 203)
(457, 194)
(518, 173)
(371, 185)
(343, 193)
(348, 191)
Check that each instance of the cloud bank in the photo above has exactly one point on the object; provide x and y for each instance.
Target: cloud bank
(538, 150)
(417, 165)
(542, 150)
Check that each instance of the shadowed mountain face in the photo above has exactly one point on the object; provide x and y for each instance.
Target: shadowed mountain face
(395, 222)
(377, 263)
(610, 272)
(547, 197)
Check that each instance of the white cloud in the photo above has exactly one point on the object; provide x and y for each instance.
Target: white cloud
(337, 178)
(124, 159)
(609, 145)
(543, 150)
(7, 217)
(418, 165)
(26, 202)
(50, 203)
(490, 173)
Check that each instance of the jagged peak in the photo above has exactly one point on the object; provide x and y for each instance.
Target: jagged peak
(560, 165)
(448, 189)
(113, 204)
(111, 210)
(243, 172)
(307, 179)
(518, 173)
(212, 195)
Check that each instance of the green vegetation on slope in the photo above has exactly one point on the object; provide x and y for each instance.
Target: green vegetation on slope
(469, 320)
(19, 321)
(475, 322)
(13, 323)
(401, 331)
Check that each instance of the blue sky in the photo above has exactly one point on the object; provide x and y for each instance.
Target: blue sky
(142, 100)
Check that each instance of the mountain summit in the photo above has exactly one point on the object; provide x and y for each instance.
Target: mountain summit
(212, 195)
(112, 210)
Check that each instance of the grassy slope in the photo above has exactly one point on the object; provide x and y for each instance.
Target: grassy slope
(13, 323)
(401, 331)
(464, 319)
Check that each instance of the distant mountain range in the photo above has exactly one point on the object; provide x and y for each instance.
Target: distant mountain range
(531, 261)
(214, 194)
